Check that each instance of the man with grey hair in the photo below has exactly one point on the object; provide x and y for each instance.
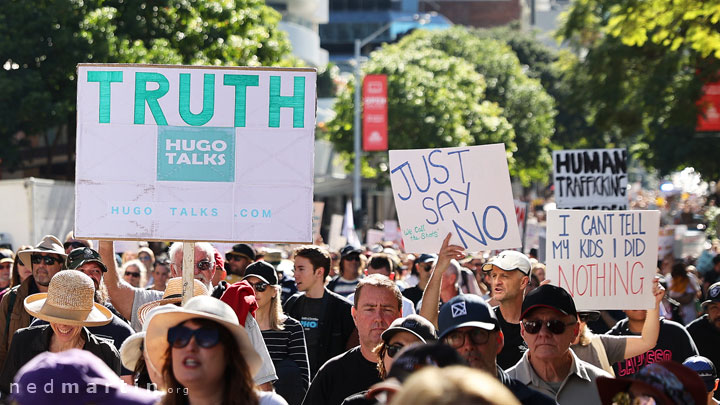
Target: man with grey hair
(204, 262)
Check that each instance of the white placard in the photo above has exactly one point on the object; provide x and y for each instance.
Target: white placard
(590, 179)
(374, 237)
(464, 191)
(604, 259)
(195, 153)
(335, 240)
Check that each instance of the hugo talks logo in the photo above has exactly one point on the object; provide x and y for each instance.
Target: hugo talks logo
(196, 154)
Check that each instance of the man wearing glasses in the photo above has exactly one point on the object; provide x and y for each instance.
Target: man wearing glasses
(45, 259)
(237, 260)
(549, 325)
(468, 324)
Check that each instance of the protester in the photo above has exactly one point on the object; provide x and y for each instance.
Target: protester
(705, 331)
(134, 273)
(684, 288)
(549, 325)
(236, 260)
(160, 274)
(283, 335)
(673, 343)
(605, 350)
(381, 263)
(705, 369)
(661, 383)
(351, 265)
(468, 324)
(204, 355)
(325, 316)
(378, 302)
(509, 276)
(20, 270)
(46, 259)
(72, 243)
(453, 385)
(75, 377)
(69, 307)
(422, 267)
(147, 258)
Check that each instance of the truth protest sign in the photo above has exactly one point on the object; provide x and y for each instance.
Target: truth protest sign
(604, 259)
(464, 191)
(220, 154)
(591, 179)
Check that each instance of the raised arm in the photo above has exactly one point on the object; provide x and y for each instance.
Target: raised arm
(431, 295)
(636, 345)
(121, 293)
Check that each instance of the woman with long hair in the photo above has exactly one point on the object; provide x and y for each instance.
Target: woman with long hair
(283, 336)
(204, 356)
(20, 270)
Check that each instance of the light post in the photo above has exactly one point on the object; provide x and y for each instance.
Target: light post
(359, 43)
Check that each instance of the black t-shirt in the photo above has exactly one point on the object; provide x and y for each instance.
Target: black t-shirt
(312, 312)
(414, 294)
(674, 343)
(341, 377)
(514, 346)
(707, 339)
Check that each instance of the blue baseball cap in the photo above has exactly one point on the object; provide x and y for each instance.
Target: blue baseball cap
(705, 369)
(466, 310)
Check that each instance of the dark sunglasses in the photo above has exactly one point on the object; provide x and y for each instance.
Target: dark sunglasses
(555, 326)
(133, 275)
(234, 258)
(353, 258)
(260, 286)
(5, 265)
(477, 336)
(74, 245)
(393, 349)
(49, 260)
(204, 265)
(425, 266)
(179, 336)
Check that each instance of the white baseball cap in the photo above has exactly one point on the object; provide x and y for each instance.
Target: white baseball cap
(509, 260)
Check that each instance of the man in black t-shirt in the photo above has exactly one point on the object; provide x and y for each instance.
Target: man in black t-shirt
(674, 343)
(509, 276)
(705, 330)
(324, 315)
(378, 302)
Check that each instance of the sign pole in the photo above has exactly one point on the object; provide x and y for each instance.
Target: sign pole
(188, 273)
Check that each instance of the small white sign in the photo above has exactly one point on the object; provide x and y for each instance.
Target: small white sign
(592, 179)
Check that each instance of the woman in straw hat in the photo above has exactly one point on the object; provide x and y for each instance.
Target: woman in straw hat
(204, 355)
(68, 306)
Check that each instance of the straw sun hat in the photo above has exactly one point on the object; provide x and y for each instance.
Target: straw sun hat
(69, 301)
(202, 307)
(171, 295)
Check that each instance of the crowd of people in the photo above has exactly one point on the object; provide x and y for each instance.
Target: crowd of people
(364, 325)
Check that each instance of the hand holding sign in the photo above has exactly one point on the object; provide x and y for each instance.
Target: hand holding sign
(447, 253)
(464, 191)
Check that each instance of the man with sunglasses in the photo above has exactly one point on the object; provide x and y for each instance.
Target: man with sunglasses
(45, 259)
(236, 261)
(350, 264)
(549, 325)
(71, 243)
(468, 324)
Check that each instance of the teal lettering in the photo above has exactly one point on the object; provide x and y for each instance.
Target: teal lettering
(296, 102)
(266, 213)
(114, 210)
(105, 79)
(241, 82)
(143, 95)
(208, 109)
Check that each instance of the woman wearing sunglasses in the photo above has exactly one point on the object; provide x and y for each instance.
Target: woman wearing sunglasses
(283, 336)
(204, 356)
(402, 332)
(135, 273)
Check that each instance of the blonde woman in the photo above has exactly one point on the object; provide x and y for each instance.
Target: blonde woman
(283, 336)
(134, 272)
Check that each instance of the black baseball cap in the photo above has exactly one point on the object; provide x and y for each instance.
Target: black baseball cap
(262, 270)
(424, 258)
(713, 294)
(549, 296)
(466, 310)
(704, 368)
(83, 255)
(241, 249)
(415, 324)
(348, 250)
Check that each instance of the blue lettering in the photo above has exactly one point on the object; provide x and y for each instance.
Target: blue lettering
(458, 152)
(407, 182)
(564, 221)
(266, 213)
(254, 213)
(214, 212)
(485, 214)
(451, 201)
(447, 173)
(431, 210)
(114, 210)
(148, 211)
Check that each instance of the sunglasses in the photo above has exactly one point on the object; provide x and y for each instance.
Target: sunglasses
(204, 265)
(477, 336)
(353, 258)
(49, 260)
(555, 326)
(260, 286)
(234, 258)
(133, 275)
(5, 266)
(179, 336)
(74, 245)
(394, 349)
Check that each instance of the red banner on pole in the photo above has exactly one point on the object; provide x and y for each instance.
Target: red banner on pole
(375, 123)
(709, 103)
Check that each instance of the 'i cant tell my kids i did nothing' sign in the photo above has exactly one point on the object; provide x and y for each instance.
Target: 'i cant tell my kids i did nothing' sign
(195, 153)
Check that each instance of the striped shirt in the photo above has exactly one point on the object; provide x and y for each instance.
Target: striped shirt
(288, 344)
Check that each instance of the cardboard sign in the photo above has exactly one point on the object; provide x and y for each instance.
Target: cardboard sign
(604, 259)
(195, 153)
(464, 191)
(591, 179)
(375, 113)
